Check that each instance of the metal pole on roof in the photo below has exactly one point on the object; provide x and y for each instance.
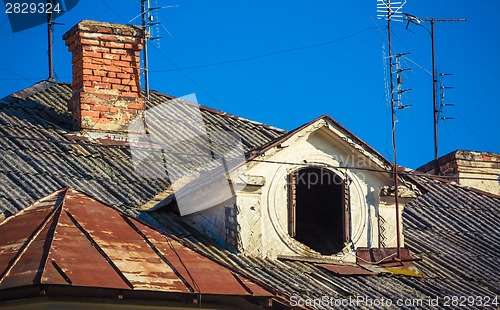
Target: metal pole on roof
(144, 11)
(396, 192)
(434, 104)
(434, 82)
(416, 20)
(50, 28)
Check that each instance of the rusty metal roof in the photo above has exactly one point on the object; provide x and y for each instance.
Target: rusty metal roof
(69, 238)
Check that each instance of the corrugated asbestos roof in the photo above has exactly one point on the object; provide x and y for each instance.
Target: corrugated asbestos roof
(454, 229)
(36, 158)
(68, 238)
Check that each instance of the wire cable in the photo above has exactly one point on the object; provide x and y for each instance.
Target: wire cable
(196, 287)
(470, 127)
(270, 53)
(301, 74)
(169, 60)
(319, 165)
(189, 77)
(255, 160)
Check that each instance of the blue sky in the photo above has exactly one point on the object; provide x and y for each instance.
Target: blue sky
(303, 78)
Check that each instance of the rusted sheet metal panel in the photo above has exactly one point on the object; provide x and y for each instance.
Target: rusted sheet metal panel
(25, 270)
(124, 247)
(383, 257)
(27, 266)
(204, 274)
(78, 260)
(254, 288)
(72, 239)
(23, 224)
(22, 241)
(346, 270)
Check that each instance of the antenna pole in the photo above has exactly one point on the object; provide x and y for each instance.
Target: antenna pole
(434, 103)
(395, 167)
(50, 28)
(435, 112)
(145, 50)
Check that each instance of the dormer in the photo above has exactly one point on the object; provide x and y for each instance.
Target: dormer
(319, 191)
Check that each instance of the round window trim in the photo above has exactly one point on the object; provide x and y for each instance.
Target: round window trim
(277, 204)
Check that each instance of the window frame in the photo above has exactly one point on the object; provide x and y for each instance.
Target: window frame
(292, 203)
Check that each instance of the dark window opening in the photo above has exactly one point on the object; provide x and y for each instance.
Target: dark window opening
(318, 209)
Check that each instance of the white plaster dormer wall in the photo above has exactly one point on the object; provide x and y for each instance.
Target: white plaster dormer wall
(255, 222)
(318, 145)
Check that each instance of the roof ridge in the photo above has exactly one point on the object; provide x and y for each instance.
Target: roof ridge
(51, 233)
(35, 88)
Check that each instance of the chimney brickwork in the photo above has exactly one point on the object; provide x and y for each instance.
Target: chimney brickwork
(480, 170)
(106, 75)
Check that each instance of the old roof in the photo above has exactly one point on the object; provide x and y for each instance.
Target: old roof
(69, 238)
(453, 229)
(41, 152)
(456, 230)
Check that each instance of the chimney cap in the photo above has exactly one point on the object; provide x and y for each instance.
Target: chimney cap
(103, 27)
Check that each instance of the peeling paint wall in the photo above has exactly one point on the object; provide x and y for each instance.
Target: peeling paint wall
(219, 222)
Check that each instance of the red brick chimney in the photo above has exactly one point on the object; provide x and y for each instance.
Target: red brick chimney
(106, 75)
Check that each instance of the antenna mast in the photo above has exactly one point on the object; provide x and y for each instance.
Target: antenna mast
(416, 20)
(395, 167)
(385, 11)
(145, 50)
(147, 21)
(50, 28)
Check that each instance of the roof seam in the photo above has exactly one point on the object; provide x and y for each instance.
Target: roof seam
(100, 250)
(25, 246)
(158, 253)
(47, 246)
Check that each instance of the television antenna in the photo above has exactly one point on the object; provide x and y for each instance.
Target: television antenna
(148, 20)
(390, 11)
(417, 21)
(50, 29)
(442, 102)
